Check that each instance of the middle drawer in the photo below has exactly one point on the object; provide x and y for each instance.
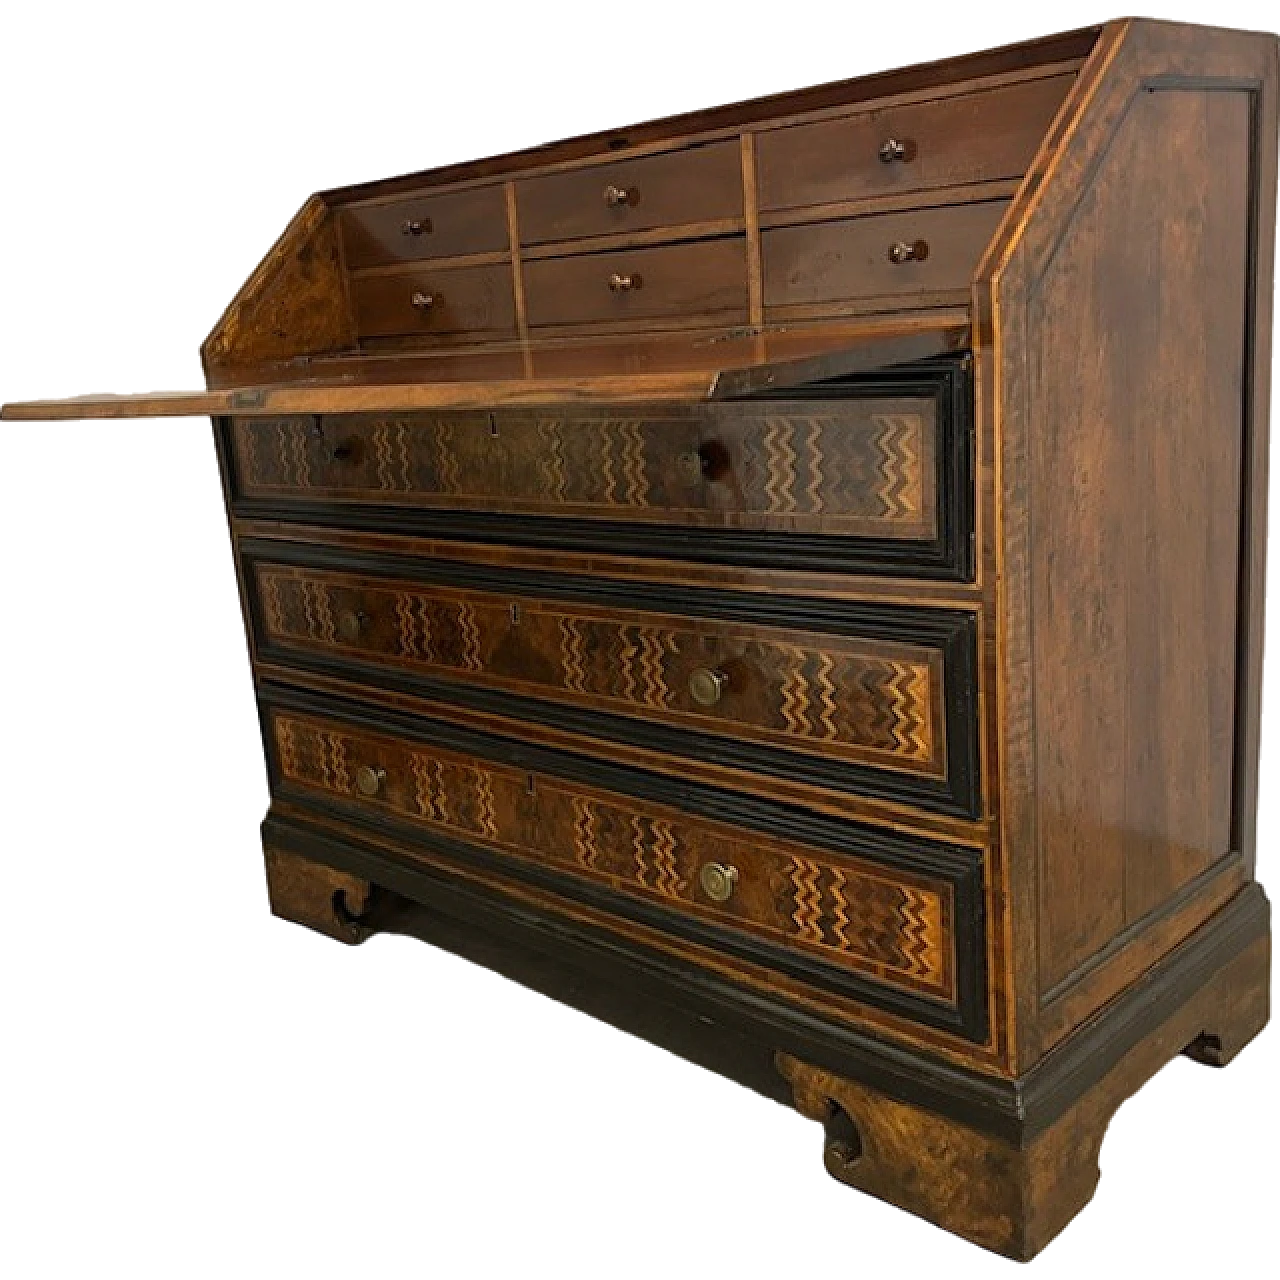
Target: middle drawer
(850, 699)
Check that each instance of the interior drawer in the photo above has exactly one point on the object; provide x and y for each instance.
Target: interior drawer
(850, 700)
(429, 226)
(922, 251)
(980, 137)
(433, 300)
(701, 184)
(707, 278)
(869, 915)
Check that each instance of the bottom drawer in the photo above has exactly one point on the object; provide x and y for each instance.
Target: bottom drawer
(870, 915)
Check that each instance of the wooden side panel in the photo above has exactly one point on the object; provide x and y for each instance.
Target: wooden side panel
(1123, 311)
(1137, 365)
(295, 303)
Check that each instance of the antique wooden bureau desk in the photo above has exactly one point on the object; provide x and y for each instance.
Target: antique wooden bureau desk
(789, 581)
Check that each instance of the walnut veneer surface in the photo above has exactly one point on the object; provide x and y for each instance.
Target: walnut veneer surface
(788, 579)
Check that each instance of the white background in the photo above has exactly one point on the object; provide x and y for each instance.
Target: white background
(191, 1088)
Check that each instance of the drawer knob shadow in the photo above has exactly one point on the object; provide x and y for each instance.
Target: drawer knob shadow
(718, 880)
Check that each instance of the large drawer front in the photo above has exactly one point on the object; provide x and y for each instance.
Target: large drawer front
(854, 700)
(834, 917)
(877, 478)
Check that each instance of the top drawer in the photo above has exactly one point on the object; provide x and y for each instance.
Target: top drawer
(980, 137)
(702, 184)
(874, 476)
(443, 226)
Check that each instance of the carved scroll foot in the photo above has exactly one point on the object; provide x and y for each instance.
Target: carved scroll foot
(1014, 1194)
(311, 894)
(973, 1184)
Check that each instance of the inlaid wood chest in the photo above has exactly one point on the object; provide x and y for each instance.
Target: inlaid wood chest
(788, 580)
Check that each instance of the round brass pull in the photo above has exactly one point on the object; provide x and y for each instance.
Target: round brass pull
(692, 465)
(351, 624)
(706, 687)
(718, 880)
(624, 284)
(425, 301)
(343, 451)
(369, 780)
(901, 251)
(416, 227)
(615, 197)
(897, 149)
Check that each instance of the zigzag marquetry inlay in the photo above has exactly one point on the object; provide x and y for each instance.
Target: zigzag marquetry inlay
(893, 925)
(840, 697)
(864, 468)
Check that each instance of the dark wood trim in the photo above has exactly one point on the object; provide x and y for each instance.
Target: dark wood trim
(736, 1031)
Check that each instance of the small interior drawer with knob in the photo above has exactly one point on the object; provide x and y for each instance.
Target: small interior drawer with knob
(451, 225)
(977, 137)
(677, 188)
(918, 252)
(844, 700)
(706, 278)
(857, 911)
(441, 300)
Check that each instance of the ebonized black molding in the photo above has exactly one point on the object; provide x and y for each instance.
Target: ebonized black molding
(961, 867)
(947, 557)
(735, 1030)
(950, 631)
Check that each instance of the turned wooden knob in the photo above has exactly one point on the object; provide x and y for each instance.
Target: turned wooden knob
(902, 251)
(718, 880)
(707, 686)
(369, 780)
(902, 149)
(351, 624)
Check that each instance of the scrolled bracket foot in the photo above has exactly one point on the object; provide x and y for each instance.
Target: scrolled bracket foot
(311, 894)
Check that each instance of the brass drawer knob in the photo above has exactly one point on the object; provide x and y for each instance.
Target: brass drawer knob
(706, 686)
(902, 149)
(692, 465)
(425, 301)
(615, 197)
(718, 880)
(902, 251)
(416, 227)
(369, 780)
(624, 284)
(351, 624)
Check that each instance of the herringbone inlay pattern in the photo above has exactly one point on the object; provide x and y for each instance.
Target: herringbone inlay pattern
(858, 470)
(822, 693)
(893, 925)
